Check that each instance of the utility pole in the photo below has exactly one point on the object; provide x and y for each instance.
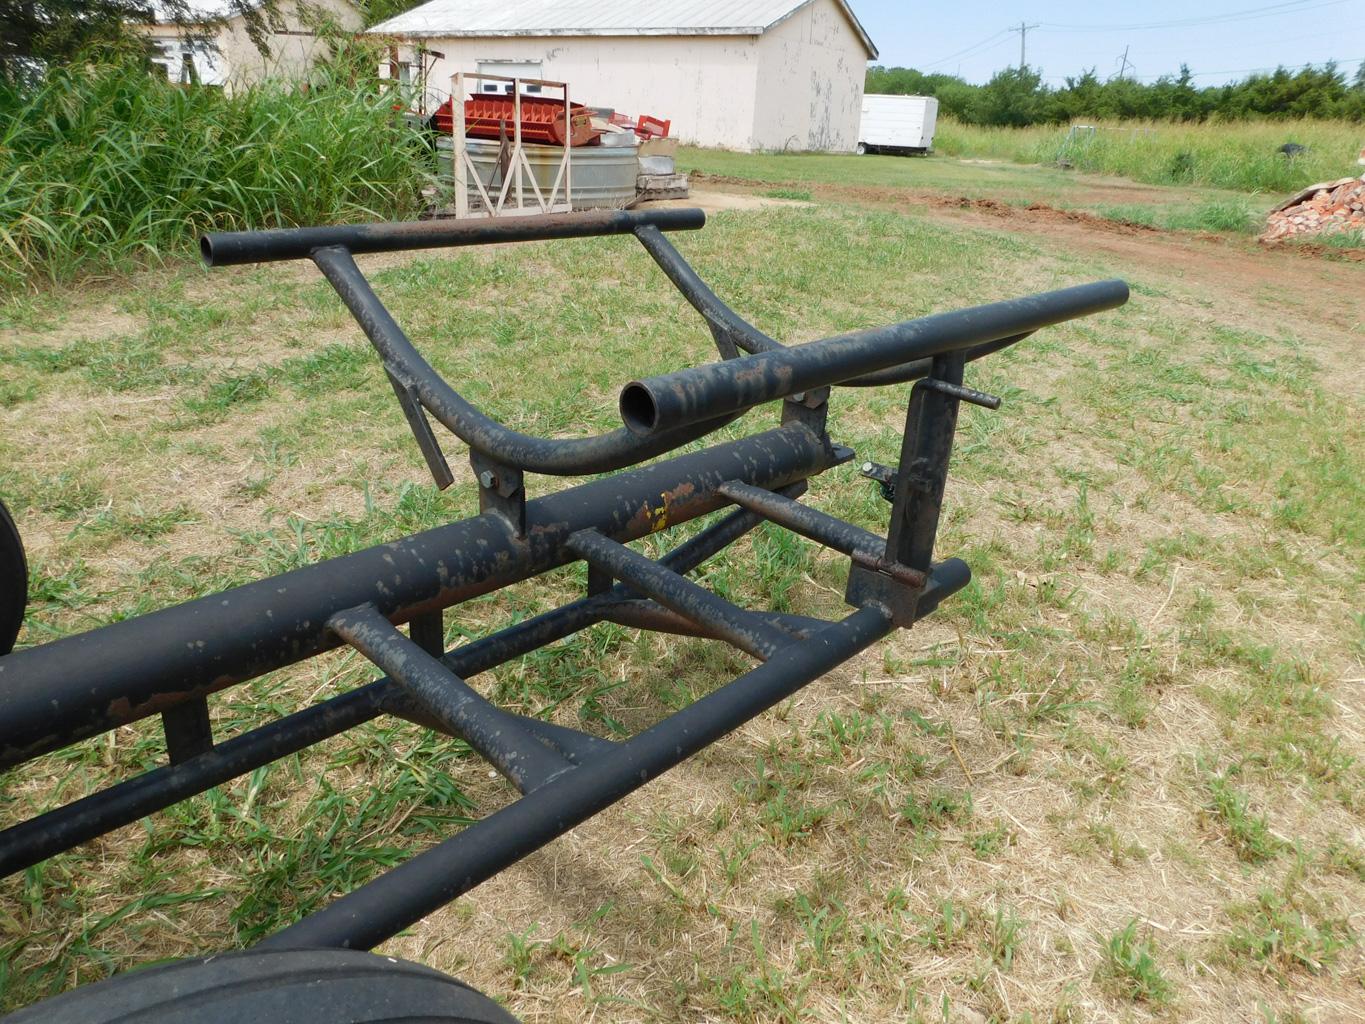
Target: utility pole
(1123, 68)
(1023, 34)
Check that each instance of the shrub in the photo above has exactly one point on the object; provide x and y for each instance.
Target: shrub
(102, 165)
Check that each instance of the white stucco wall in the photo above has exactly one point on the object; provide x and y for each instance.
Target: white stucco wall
(705, 84)
(293, 43)
(810, 82)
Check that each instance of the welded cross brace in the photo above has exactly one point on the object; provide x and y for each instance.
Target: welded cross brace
(504, 739)
(729, 622)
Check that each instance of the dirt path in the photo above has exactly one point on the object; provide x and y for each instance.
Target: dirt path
(1245, 283)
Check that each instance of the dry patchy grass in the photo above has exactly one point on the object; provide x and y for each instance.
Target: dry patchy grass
(1118, 778)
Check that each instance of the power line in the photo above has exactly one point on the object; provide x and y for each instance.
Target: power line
(1250, 14)
(970, 49)
(1273, 10)
(1286, 7)
(1252, 71)
(1228, 71)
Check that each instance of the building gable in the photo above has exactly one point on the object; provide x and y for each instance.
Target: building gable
(451, 19)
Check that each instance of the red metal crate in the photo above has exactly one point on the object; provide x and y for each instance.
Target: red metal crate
(542, 120)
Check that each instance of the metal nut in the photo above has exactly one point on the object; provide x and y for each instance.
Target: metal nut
(488, 479)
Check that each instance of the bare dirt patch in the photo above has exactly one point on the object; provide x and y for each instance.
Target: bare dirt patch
(713, 201)
(1042, 212)
(1256, 285)
(1036, 216)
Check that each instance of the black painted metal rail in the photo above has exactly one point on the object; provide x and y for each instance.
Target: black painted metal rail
(229, 248)
(171, 662)
(685, 397)
(374, 912)
(151, 663)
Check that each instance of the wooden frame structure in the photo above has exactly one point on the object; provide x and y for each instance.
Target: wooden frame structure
(517, 171)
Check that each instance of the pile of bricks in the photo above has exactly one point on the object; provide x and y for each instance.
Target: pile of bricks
(1332, 206)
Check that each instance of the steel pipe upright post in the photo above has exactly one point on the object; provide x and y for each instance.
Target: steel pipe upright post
(926, 447)
(922, 474)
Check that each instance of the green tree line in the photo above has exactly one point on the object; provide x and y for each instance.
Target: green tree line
(1016, 97)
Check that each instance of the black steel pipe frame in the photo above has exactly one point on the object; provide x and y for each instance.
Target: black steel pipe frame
(79, 686)
(417, 384)
(457, 708)
(65, 827)
(863, 546)
(203, 646)
(413, 376)
(727, 324)
(404, 895)
(654, 617)
(735, 625)
(558, 456)
(332, 249)
(921, 475)
(380, 909)
(230, 248)
(36, 839)
(674, 401)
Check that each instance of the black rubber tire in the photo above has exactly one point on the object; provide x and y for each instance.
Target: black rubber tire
(307, 986)
(13, 581)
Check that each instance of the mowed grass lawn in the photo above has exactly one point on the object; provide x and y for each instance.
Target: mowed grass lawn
(1118, 778)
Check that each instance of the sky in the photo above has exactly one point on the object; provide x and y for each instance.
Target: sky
(1221, 40)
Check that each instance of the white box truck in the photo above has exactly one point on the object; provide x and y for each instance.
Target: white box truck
(897, 124)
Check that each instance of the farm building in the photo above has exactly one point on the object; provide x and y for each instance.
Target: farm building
(741, 74)
(225, 54)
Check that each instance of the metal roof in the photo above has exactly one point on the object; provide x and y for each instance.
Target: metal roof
(454, 18)
(199, 10)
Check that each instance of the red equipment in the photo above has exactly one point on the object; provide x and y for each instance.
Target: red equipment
(490, 116)
(652, 127)
(645, 127)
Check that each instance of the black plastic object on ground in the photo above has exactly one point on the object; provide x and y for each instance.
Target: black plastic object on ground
(305, 986)
(13, 581)
(170, 663)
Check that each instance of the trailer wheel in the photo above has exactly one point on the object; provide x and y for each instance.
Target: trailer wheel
(860, 149)
(306, 986)
(13, 581)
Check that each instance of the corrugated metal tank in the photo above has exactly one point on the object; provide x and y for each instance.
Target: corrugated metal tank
(603, 176)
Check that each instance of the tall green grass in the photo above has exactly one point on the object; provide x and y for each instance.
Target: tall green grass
(1242, 156)
(104, 166)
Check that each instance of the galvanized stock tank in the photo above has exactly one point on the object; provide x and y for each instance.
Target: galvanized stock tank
(603, 176)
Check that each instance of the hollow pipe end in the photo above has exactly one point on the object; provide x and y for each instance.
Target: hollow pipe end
(639, 411)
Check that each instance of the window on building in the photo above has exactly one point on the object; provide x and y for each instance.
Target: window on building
(510, 69)
(189, 62)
